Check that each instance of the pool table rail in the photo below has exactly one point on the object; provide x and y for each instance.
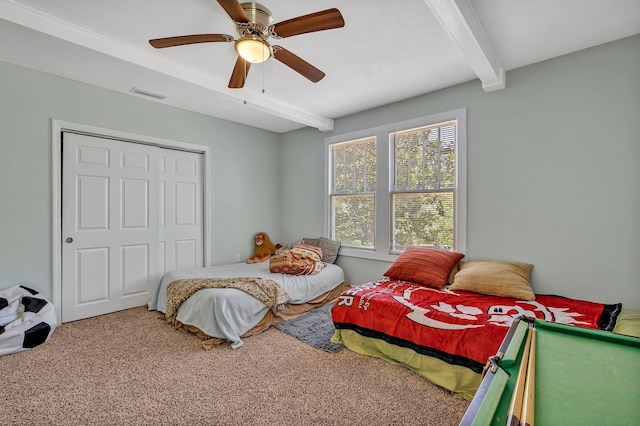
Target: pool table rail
(595, 371)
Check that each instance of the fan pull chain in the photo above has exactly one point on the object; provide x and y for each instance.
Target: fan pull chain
(263, 67)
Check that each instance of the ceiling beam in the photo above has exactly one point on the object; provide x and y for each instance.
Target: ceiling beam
(460, 21)
(37, 21)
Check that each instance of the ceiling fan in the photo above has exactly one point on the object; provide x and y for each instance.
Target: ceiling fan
(253, 22)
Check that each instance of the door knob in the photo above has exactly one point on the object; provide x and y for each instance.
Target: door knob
(69, 240)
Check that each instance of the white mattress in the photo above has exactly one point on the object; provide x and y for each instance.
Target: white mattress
(229, 313)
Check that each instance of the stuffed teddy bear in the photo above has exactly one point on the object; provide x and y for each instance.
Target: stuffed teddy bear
(264, 248)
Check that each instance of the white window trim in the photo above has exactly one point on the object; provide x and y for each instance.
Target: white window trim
(383, 212)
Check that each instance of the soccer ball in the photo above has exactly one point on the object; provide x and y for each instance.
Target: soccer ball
(26, 319)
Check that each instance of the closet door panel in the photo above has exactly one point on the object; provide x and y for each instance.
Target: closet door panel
(109, 225)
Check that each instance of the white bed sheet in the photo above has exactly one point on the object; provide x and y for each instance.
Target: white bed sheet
(228, 313)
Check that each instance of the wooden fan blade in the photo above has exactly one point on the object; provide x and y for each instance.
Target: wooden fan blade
(239, 74)
(319, 21)
(297, 64)
(234, 10)
(160, 43)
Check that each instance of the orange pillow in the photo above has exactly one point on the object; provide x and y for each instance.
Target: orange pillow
(424, 265)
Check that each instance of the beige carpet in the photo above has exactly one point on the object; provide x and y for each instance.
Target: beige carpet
(131, 368)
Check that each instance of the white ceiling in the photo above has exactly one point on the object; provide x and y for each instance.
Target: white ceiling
(386, 52)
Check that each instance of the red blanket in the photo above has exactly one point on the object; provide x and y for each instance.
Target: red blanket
(461, 328)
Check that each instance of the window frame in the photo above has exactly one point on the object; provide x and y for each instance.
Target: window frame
(334, 193)
(384, 169)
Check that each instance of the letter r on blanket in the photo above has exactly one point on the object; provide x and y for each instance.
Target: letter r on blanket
(345, 300)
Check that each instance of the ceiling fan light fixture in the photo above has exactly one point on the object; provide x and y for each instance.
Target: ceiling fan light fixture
(253, 49)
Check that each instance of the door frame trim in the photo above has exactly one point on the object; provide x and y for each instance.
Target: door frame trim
(60, 126)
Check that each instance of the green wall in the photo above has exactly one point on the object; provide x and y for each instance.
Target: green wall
(243, 158)
(553, 172)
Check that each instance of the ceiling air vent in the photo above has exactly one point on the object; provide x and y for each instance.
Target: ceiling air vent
(143, 92)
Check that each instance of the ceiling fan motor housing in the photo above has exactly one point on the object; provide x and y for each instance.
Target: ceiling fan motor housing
(259, 20)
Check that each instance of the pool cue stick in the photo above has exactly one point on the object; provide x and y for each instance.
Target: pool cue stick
(528, 405)
(515, 407)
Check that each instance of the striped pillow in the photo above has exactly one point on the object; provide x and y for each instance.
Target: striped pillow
(303, 259)
(424, 265)
(308, 251)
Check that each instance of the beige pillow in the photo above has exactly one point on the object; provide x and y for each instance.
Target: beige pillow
(453, 273)
(506, 279)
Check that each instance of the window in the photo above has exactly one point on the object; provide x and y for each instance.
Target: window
(352, 192)
(398, 185)
(423, 186)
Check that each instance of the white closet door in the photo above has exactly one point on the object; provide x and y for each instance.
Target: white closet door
(110, 220)
(181, 210)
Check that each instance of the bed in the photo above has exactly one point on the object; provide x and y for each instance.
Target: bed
(229, 314)
(446, 331)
